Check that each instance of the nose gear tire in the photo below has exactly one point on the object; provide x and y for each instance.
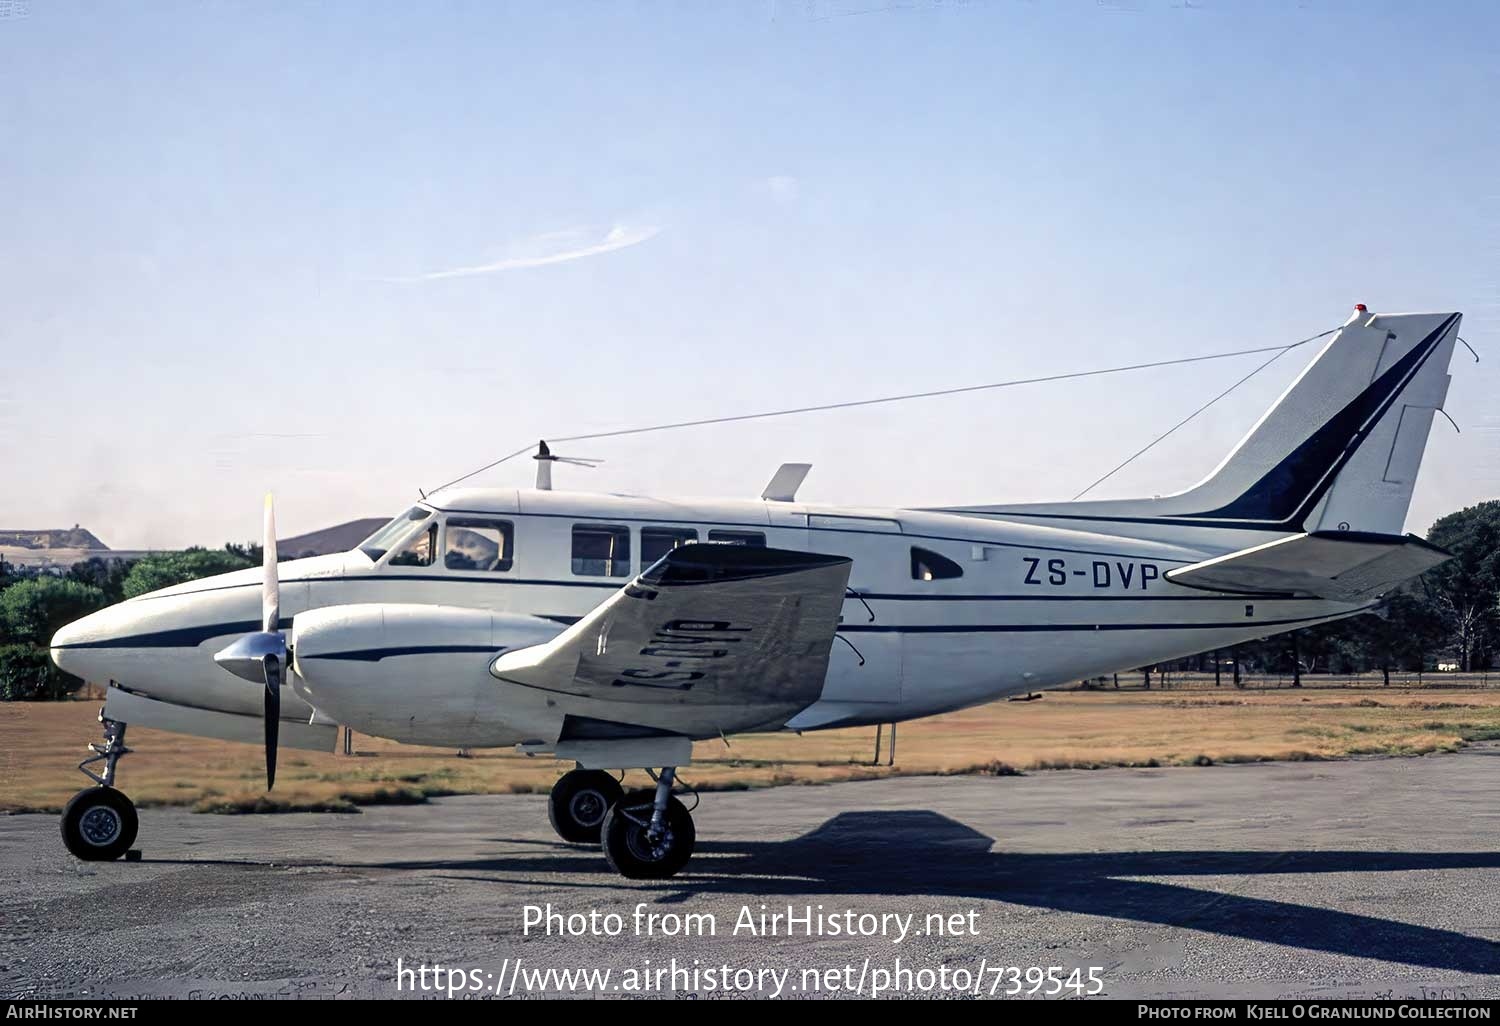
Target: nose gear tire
(99, 824)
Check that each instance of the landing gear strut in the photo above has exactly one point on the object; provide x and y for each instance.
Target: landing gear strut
(99, 823)
(649, 835)
(579, 802)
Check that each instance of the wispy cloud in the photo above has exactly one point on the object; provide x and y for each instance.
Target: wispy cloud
(551, 248)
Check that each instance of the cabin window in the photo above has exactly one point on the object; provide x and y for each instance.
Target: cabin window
(476, 543)
(600, 550)
(420, 551)
(927, 565)
(379, 543)
(656, 542)
(754, 539)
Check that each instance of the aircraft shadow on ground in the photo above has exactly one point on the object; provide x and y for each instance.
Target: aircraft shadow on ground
(927, 854)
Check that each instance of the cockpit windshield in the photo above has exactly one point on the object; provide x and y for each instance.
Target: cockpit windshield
(380, 542)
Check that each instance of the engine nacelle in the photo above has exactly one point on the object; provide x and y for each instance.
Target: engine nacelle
(412, 673)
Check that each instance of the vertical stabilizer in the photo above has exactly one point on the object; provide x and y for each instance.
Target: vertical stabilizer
(1339, 450)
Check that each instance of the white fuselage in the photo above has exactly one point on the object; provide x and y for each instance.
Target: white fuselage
(1007, 606)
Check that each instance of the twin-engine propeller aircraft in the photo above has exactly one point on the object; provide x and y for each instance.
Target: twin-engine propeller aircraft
(613, 631)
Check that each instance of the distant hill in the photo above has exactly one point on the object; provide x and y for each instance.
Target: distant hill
(56, 549)
(340, 538)
(74, 537)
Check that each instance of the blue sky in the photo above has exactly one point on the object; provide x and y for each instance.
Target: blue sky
(230, 230)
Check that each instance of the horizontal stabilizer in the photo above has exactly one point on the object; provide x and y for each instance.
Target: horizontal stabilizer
(1346, 566)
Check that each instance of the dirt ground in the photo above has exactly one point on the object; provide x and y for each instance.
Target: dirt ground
(1191, 721)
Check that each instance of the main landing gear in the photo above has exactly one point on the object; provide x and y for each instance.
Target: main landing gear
(99, 823)
(578, 804)
(646, 834)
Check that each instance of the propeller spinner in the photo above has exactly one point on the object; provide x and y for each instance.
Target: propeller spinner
(261, 657)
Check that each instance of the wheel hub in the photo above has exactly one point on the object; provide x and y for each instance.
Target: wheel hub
(100, 825)
(588, 808)
(650, 849)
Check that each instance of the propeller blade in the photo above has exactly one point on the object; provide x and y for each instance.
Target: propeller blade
(261, 656)
(272, 667)
(270, 596)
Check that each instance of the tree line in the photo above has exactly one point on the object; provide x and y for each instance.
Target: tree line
(1451, 614)
(34, 604)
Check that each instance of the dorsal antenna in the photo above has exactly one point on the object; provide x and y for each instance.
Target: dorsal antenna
(545, 457)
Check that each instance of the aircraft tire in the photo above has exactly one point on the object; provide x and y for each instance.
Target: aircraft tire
(99, 824)
(579, 802)
(628, 849)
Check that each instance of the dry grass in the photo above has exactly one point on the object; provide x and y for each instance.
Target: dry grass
(41, 742)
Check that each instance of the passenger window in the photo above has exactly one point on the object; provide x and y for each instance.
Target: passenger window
(421, 551)
(601, 551)
(927, 565)
(656, 542)
(754, 539)
(474, 543)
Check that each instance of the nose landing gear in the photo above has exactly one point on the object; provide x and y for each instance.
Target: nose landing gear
(99, 823)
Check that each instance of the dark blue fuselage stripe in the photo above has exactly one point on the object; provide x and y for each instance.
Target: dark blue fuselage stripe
(440, 577)
(192, 637)
(181, 637)
(911, 597)
(620, 582)
(1047, 628)
(374, 655)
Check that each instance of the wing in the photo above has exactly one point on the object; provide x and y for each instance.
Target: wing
(710, 638)
(1346, 566)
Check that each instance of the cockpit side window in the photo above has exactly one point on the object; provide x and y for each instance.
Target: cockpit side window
(379, 543)
(927, 565)
(420, 551)
(477, 543)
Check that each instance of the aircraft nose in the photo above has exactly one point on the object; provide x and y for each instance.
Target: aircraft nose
(162, 644)
(79, 647)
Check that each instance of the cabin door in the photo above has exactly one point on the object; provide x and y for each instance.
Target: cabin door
(865, 663)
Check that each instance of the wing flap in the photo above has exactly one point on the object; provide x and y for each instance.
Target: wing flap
(720, 626)
(1344, 566)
